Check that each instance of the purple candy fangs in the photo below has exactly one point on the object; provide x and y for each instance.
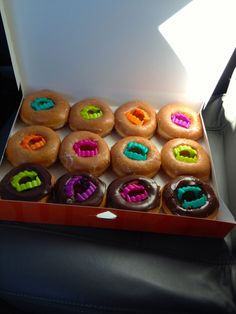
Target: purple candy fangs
(181, 120)
(134, 193)
(79, 188)
(86, 148)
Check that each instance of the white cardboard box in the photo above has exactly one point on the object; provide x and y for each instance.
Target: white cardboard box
(116, 50)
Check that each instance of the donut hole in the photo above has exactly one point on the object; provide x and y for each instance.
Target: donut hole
(185, 153)
(27, 179)
(81, 186)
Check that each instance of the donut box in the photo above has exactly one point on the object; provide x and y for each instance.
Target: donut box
(107, 73)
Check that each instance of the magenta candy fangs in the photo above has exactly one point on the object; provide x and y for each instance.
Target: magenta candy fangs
(134, 193)
(86, 148)
(181, 120)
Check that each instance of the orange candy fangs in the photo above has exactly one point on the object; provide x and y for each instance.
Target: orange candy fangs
(138, 116)
(33, 142)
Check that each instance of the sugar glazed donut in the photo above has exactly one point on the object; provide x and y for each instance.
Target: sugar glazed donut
(27, 182)
(92, 115)
(34, 144)
(82, 189)
(135, 155)
(189, 196)
(45, 108)
(178, 120)
(135, 118)
(185, 157)
(134, 192)
(84, 151)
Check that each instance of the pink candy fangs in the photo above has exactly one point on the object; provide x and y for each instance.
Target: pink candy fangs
(86, 148)
(181, 120)
(134, 193)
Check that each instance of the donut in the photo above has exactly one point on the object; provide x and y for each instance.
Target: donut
(82, 189)
(189, 196)
(182, 156)
(134, 192)
(92, 115)
(177, 120)
(84, 151)
(27, 182)
(135, 155)
(35, 144)
(45, 108)
(135, 118)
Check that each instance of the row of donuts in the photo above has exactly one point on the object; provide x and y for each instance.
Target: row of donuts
(183, 196)
(87, 151)
(134, 118)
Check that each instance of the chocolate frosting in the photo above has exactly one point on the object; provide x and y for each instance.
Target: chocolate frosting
(8, 192)
(115, 200)
(170, 199)
(59, 191)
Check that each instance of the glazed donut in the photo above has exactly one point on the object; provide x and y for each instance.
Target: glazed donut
(82, 189)
(134, 192)
(45, 108)
(84, 151)
(135, 155)
(189, 196)
(178, 120)
(185, 157)
(27, 182)
(35, 144)
(92, 115)
(135, 118)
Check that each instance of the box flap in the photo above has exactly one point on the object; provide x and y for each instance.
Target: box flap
(106, 48)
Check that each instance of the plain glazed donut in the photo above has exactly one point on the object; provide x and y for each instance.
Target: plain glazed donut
(84, 151)
(82, 189)
(189, 196)
(33, 144)
(92, 115)
(135, 118)
(185, 157)
(134, 192)
(27, 182)
(178, 120)
(135, 155)
(45, 108)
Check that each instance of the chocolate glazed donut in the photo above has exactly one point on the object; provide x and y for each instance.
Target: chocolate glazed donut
(134, 192)
(189, 196)
(82, 189)
(28, 182)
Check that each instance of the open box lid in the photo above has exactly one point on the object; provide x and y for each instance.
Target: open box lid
(160, 51)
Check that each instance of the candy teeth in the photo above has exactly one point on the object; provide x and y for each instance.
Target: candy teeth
(181, 120)
(198, 200)
(80, 197)
(136, 151)
(139, 193)
(86, 148)
(91, 112)
(138, 116)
